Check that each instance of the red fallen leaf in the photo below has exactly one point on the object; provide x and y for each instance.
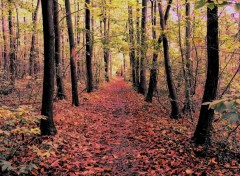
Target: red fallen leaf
(189, 171)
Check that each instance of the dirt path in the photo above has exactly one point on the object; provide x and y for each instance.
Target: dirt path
(114, 132)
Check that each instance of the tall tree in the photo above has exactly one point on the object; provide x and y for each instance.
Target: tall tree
(188, 70)
(175, 114)
(142, 84)
(60, 86)
(12, 44)
(5, 42)
(32, 57)
(88, 47)
(75, 100)
(105, 41)
(131, 43)
(153, 71)
(138, 40)
(203, 130)
(47, 125)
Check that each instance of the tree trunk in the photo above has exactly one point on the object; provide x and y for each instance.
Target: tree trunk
(203, 130)
(131, 43)
(60, 86)
(153, 71)
(142, 84)
(138, 38)
(88, 48)
(32, 57)
(105, 44)
(47, 125)
(188, 104)
(75, 100)
(5, 42)
(12, 44)
(172, 92)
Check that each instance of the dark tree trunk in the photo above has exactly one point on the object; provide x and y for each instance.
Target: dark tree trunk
(138, 38)
(131, 44)
(203, 130)
(60, 86)
(5, 43)
(12, 44)
(142, 84)
(75, 100)
(172, 92)
(188, 104)
(105, 44)
(32, 57)
(153, 71)
(47, 125)
(88, 48)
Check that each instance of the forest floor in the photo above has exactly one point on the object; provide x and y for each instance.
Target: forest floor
(114, 132)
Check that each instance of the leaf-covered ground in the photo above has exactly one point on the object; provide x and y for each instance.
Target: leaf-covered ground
(114, 132)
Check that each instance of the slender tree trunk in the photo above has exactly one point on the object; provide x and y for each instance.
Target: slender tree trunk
(5, 42)
(12, 44)
(105, 44)
(142, 84)
(175, 114)
(47, 125)
(32, 57)
(131, 43)
(75, 100)
(60, 86)
(153, 71)
(188, 104)
(138, 38)
(203, 131)
(88, 48)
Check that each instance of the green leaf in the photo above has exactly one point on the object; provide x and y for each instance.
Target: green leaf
(237, 7)
(200, 4)
(211, 6)
(232, 117)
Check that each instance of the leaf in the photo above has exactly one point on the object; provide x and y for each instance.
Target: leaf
(6, 166)
(231, 117)
(237, 7)
(211, 6)
(189, 171)
(200, 4)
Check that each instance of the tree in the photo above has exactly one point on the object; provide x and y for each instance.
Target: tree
(153, 71)
(142, 84)
(131, 43)
(4, 31)
(32, 57)
(175, 114)
(47, 125)
(12, 44)
(75, 100)
(88, 47)
(203, 131)
(60, 86)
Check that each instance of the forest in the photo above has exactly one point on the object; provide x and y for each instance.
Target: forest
(119, 87)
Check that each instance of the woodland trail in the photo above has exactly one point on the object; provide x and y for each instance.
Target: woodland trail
(114, 132)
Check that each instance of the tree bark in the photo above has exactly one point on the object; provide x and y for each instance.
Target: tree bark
(172, 92)
(47, 125)
(203, 131)
(60, 86)
(153, 71)
(138, 38)
(75, 100)
(131, 43)
(142, 84)
(32, 57)
(5, 42)
(88, 48)
(12, 44)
